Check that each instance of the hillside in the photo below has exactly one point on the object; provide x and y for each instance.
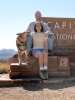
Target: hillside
(6, 53)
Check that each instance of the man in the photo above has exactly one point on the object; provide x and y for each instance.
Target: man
(31, 31)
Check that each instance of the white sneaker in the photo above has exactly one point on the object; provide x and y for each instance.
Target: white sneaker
(24, 63)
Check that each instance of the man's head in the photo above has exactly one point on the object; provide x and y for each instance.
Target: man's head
(38, 15)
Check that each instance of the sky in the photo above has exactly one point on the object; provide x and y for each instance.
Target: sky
(15, 16)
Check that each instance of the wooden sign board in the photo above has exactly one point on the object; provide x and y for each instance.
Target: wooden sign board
(64, 31)
(60, 23)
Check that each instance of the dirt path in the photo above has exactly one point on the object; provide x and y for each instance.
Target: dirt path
(35, 91)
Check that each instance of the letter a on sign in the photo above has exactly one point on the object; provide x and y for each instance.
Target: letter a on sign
(57, 25)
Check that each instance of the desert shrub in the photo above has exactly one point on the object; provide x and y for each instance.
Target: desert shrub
(4, 67)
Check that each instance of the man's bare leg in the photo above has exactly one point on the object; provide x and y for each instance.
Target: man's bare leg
(40, 57)
(45, 58)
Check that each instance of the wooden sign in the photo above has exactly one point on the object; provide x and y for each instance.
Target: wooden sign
(60, 23)
(64, 32)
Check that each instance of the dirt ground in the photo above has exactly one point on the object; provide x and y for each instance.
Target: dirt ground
(36, 91)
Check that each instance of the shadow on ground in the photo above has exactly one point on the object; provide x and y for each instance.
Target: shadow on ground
(32, 86)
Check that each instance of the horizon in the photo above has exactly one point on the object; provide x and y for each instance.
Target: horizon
(15, 16)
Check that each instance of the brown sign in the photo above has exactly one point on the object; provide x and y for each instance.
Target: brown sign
(64, 31)
(60, 23)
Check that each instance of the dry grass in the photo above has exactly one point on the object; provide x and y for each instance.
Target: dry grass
(4, 67)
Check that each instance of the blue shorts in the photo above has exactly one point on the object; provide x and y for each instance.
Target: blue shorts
(37, 50)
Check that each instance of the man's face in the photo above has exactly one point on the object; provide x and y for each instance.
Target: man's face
(38, 16)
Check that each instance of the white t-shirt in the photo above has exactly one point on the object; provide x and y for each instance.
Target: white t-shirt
(38, 40)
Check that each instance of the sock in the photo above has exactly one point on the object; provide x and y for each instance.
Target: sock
(45, 67)
(41, 67)
(19, 61)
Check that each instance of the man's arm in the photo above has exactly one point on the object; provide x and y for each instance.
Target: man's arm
(30, 27)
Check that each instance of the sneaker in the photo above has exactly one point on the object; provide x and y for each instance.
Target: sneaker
(24, 63)
(44, 74)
